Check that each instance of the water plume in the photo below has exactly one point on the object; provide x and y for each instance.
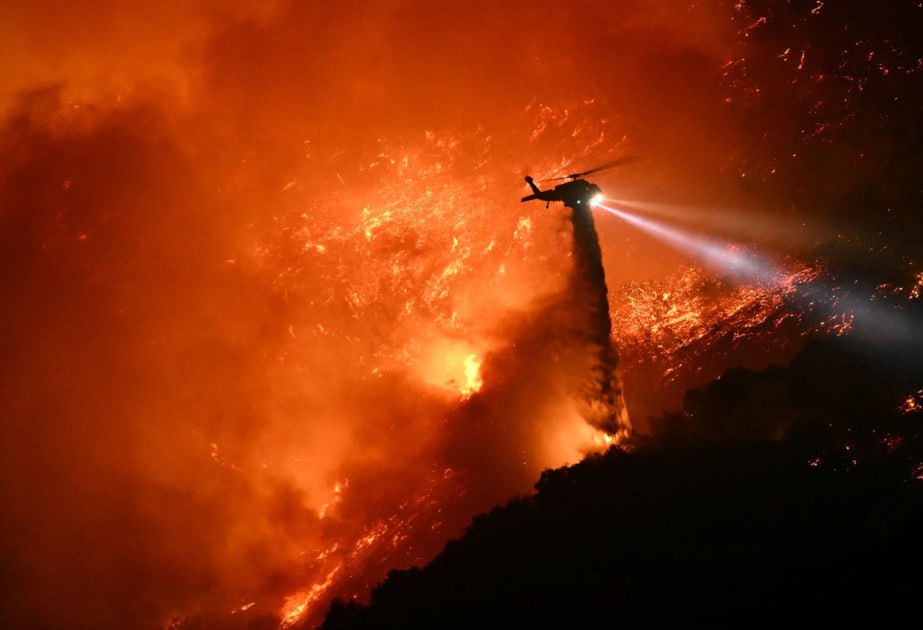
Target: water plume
(603, 404)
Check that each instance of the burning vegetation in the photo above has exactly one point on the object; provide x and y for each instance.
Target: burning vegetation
(275, 325)
(784, 486)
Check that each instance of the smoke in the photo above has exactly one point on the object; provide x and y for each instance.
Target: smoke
(251, 257)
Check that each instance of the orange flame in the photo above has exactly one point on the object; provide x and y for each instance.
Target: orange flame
(473, 380)
(298, 605)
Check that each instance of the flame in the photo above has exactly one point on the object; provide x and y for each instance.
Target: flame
(442, 299)
(671, 323)
(473, 380)
(338, 488)
(305, 299)
(297, 606)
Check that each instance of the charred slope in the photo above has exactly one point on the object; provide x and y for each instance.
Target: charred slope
(788, 494)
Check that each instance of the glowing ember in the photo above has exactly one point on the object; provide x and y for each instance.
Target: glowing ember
(913, 403)
(918, 472)
(243, 608)
(917, 287)
(671, 322)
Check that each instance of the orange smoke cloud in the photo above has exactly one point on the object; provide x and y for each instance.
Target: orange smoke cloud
(248, 256)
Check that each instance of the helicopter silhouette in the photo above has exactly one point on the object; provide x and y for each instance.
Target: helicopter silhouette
(577, 193)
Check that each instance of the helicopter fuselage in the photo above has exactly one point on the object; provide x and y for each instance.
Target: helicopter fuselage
(574, 194)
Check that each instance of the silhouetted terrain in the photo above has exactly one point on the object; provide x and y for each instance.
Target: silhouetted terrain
(789, 495)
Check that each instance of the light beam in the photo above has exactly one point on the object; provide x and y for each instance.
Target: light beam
(874, 322)
(725, 258)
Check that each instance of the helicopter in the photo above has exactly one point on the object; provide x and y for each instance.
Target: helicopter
(576, 193)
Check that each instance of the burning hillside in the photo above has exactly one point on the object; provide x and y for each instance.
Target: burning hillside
(275, 323)
(794, 486)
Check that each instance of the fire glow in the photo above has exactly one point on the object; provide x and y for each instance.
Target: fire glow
(271, 306)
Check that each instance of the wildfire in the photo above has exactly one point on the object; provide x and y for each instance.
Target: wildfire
(673, 322)
(335, 282)
(433, 275)
(337, 498)
(297, 606)
(473, 380)
(406, 536)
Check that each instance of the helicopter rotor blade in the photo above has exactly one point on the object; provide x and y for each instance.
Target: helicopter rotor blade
(625, 159)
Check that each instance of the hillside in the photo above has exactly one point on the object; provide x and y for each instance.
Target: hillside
(789, 495)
